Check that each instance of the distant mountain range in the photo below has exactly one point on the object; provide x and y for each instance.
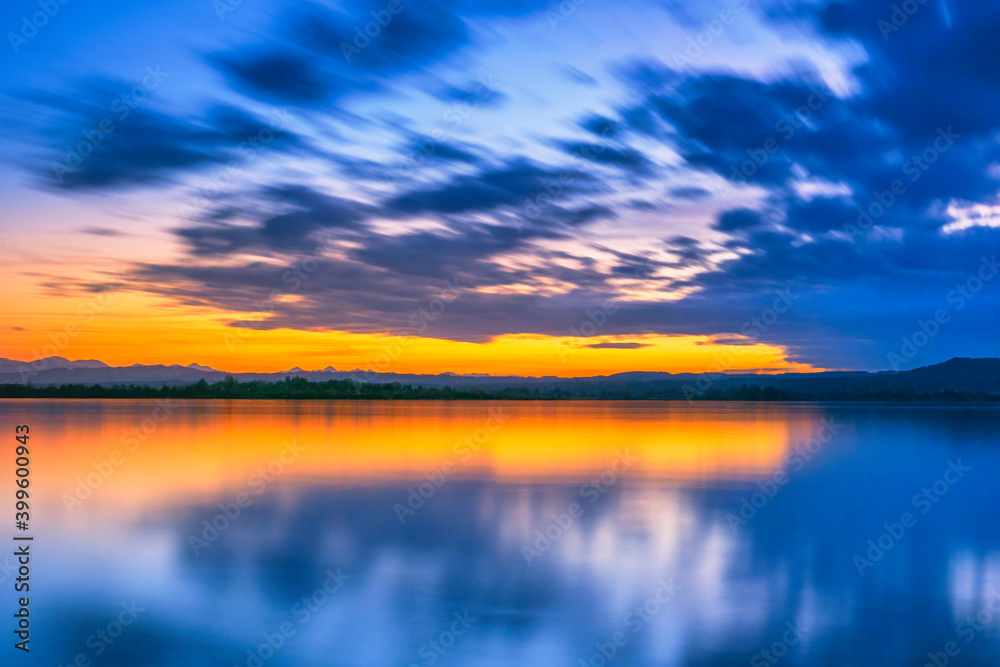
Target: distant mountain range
(979, 377)
(10, 365)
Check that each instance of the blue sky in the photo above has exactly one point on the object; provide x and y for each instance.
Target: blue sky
(686, 160)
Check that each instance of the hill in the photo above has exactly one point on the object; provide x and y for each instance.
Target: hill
(957, 379)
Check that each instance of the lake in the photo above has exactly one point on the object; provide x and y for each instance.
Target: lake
(509, 533)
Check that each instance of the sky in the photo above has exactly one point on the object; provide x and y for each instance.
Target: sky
(541, 188)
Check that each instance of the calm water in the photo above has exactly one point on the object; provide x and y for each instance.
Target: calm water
(491, 534)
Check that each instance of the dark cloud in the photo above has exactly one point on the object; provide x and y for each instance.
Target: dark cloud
(602, 126)
(102, 231)
(510, 185)
(832, 320)
(431, 254)
(303, 212)
(929, 72)
(618, 346)
(688, 251)
(925, 112)
(316, 54)
(426, 148)
(118, 141)
(924, 121)
(472, 249)
(722, 340)
(581, 216)
(737, 220)
(282, 75)
(690, 193)
(628, 160)
(645, 206)
(476, 94)
(417, 35)
(821, 214)
(742, 129)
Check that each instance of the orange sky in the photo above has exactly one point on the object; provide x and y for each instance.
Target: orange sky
(123, 328)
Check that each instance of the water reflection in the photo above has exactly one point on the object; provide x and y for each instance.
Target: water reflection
(500, 545)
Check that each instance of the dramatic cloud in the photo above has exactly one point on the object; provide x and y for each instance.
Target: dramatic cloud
(304, 212)
(827, 198)
(516, 184)
(112, 139)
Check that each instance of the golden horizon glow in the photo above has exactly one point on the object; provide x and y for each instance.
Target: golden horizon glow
(128, 328)
(200, 449)
(122, 327)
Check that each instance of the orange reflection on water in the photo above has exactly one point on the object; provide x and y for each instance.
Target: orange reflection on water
(205, 447)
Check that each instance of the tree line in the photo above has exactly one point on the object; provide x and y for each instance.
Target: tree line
(303, 389)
